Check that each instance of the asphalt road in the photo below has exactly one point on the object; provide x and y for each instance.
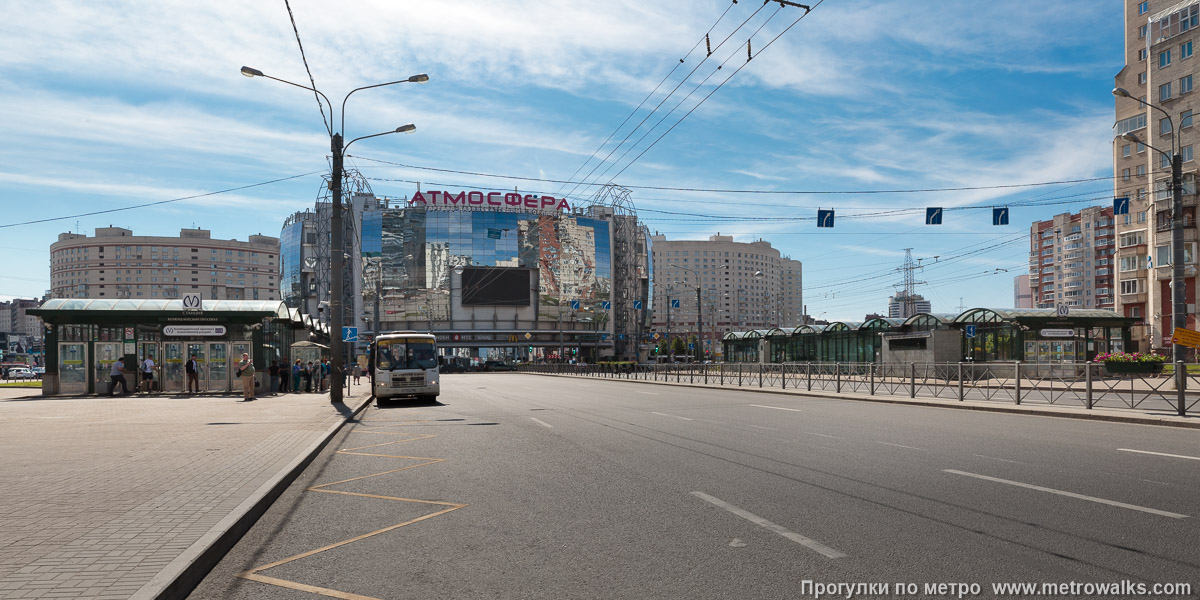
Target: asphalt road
(523, 486)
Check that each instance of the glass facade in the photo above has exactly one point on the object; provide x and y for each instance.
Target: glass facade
(291, 240)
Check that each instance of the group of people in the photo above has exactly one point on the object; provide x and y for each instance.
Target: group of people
(311, 377)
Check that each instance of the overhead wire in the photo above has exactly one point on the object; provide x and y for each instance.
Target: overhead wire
(303, 58)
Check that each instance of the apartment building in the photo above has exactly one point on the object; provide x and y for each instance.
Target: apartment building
(742, 286)
(1159, 67)
(903, 305)
(117, 264)
(1072, 259)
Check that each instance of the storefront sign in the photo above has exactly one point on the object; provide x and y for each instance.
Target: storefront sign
(1057, 333)
(190, 330)
(907, 336)
(493, 199)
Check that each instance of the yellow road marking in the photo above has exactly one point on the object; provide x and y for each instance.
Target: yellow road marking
(255, 574)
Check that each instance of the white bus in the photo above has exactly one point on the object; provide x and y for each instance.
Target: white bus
(404, 365)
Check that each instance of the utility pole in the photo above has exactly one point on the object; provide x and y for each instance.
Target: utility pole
(337, 283)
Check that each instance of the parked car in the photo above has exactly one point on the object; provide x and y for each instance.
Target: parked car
(21, 373)
(452, 368)
(495, 365)
(39, 371)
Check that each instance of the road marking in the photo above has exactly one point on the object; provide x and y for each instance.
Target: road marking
(823, 435)
(1159, 453)
(776, 407)
(541, 422)
(673, 416)
(647, 393)
(901, 446)
(999, 459)
(767, 428)
(807, 542)
(1039, 488)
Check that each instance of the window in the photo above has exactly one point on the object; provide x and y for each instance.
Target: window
(1126, 151)
(1131, 286)
(1142, 217)
(1164, 91)
(1141, 147)
(1125, 174)
(1133, 238)
(1164, 161)
(1185, 84)
(1141, 171)
(1164, 58)
(1142, 54)
(1185, 50)
(1142, 78)
(1186, 153)
(1142, 32)
(1185, 119)
(1143, 7)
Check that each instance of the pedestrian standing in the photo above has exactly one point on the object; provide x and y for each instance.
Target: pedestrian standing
(324, 374)
(296, 369)
(147, 369)
(192, 368)
(245, 370)
(357, 372)
(273, 370)
(308, 377)
(117, 375)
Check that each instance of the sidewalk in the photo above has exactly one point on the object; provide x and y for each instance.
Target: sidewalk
(1151, 414)
(125, 497)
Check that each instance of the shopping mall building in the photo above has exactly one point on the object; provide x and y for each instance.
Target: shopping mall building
(495, 275)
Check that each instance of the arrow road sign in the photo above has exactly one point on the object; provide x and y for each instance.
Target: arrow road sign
(637, 305)
(933, 216)
(674, 304)
(575, 304)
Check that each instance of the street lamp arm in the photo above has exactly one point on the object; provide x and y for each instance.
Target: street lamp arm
(1123, 93)
(421, 78)
(402, 129)
(1132, 137)
(252, 72)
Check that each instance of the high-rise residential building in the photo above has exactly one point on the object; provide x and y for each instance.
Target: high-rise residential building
(117, 264)
(1159, 69)
(1071, 259)
(903, 306)
(1022, 295)
(13, 318)
(742, 285)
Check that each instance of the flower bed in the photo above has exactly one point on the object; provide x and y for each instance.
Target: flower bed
(1132, 362)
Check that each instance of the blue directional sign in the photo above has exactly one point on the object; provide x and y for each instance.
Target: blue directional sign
(637, 305)
(675, 304)
(825, 217)
(1121, 205)
(1000, 216)
(349, 334)
(969, 331)
(933, 216)
(604, 337)
(691, 346)
(575, 304)
(606, 305)
(621, 336)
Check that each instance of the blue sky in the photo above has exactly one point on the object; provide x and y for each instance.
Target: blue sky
(116, 104)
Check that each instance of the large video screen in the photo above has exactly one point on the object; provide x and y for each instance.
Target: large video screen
(495, 286)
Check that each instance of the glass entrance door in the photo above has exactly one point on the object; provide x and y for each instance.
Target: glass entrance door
(200, 351)
(107, 353)
(149, 349)
(218, 367)
(172, 367)
(72, 368)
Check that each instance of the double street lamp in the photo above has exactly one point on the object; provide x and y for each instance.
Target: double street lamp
(1178, 291)
(337, 244)
(699, 312)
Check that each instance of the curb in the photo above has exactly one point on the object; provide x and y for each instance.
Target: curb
(999, 408)
(186, 571)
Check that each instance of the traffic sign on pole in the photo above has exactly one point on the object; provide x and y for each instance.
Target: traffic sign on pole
(969, 331)
(349, 334)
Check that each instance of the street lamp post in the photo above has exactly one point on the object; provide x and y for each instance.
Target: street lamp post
(337, 244)
(699, 312)
(1178, 291)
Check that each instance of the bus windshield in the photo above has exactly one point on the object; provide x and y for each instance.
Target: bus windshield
(406, 354)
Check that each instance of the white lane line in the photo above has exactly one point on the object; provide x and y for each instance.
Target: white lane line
(647, 393)
(672, 416)
(767, 428)
(541, 422)
(1039, 488)
(823, 435)
(1159, 453)
(999, 459)
(901, 446)
(776, 407)
(765, 524)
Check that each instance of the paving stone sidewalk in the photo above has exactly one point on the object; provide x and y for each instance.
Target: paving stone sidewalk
(105, 497)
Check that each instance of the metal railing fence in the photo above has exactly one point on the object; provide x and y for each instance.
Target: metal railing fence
(1088, 385)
